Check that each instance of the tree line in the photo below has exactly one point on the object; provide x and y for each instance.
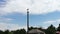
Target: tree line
(50, 30)
(21, 31)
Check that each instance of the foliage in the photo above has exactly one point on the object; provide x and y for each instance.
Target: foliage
(50, 30)
(58, 29)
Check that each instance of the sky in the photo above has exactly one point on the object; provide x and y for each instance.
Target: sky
(42, 13)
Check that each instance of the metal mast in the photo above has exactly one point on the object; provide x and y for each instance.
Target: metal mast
(27, 20)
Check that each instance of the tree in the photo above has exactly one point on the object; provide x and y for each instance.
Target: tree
(10, 32)
(1, 32)
(6, 32)
(22, 31)
(58, 29)
(51, 30)
(31, 28)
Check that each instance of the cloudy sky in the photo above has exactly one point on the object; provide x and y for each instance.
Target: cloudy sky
(43, 13)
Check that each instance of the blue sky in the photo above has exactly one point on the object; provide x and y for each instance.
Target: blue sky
(43, 13)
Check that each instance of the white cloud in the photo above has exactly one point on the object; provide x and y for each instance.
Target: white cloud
(49, 22)
(5, 26)
(2, 19)
(35, 6)
(6, 23)
(54, 22)
(8, 19)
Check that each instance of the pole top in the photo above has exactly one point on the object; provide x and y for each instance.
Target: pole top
(27, 9)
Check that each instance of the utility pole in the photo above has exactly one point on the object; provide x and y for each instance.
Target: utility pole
(27, 20)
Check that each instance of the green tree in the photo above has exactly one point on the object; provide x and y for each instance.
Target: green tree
(22, 31)
(51, 30)
(31, 28)
(1, 32)
(58, 29)
(10, 32)
(6, 32)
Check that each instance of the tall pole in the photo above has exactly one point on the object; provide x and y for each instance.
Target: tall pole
(27, 20)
